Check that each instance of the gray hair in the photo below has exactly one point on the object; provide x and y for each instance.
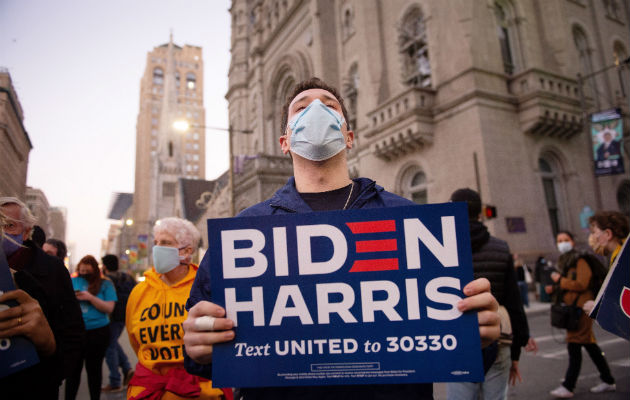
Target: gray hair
(182, 230)
(26, 216)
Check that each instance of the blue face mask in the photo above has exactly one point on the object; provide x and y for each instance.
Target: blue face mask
(316, 132)
(165, 259)
(10, 247)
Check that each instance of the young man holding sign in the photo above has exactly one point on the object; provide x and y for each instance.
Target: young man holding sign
(316, 135)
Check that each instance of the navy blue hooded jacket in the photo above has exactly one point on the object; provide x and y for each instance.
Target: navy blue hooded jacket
(287, 200)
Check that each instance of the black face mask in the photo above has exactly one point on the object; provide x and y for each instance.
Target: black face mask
(87, 277)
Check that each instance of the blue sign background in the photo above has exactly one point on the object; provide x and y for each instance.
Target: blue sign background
(609, 308)
(411, 363)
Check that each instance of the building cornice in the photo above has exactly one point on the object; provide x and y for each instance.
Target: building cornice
(16, 110)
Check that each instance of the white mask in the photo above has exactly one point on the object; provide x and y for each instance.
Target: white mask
(165, 259)
(564, 247)
(316, 132)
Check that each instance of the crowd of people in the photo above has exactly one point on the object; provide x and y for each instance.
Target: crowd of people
(77, 321)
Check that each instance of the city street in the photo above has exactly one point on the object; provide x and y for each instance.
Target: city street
(544, 371)
(541, 372)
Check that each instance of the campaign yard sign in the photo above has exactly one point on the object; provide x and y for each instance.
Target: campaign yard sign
(345, 297)
(17, 352)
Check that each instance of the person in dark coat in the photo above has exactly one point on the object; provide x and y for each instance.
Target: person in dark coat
(48, 281)
(492, 260)
(321, 182)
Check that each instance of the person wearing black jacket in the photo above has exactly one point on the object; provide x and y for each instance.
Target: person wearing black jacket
(47, 280)
(492, 260)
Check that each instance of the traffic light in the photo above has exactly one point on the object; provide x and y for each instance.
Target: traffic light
(489, 211)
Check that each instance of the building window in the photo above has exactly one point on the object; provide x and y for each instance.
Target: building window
(347, 22)
(158, 76)
(623, 197)
(612, 8)
(549, 176)
(170, 149)
(414, 185)
(191, 81)
(414, 49)
(586, 63)
(351, 93)
(168, 189)
(504, 38)
(619, 52)
(177, 83)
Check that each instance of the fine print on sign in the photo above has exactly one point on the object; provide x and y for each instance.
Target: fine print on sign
(345, 297)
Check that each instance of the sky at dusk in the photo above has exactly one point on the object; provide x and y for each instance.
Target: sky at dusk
(76, 68)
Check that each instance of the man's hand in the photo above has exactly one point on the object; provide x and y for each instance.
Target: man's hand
(198, 343)
(515, 373)
(480, 299)
(26, 319)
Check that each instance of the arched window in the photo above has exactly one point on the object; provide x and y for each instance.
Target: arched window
(158, 76)
(351, 94)
(191, 81)
(619, 51)
(583, 49)
(347, 22)
(177, 78)
(414, 185)
(504, 38)
(414, 48)
(584, 55)
(623, 197)
(550, 181)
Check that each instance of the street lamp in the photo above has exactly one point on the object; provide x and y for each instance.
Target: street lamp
(184, 126)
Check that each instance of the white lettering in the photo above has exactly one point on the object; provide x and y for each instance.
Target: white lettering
(255, 306)
(369, 305)
(445, 253)
(305, 261)
(342, 308)
(433, 294)
(281, 310)
(230, 254)
(280, 251)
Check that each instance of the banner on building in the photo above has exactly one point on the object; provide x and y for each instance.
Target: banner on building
(345, 297)
(143, 241)
(612, 306)
(607, 140)
(133, 254)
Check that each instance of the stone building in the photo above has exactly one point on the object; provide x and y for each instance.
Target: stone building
(171, 90)
(15, 145)
(37, 202)
(443, 94)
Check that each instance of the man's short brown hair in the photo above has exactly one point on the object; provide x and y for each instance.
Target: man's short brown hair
(311, 83)
(613, 220)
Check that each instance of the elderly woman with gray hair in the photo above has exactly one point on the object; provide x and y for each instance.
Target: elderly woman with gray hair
(155, 313)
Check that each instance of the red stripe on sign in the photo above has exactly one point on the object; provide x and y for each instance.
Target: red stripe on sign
(388, 225)
(383, 264)
(368, 246)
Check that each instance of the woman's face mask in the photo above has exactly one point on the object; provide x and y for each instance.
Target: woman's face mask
(564, 247)
(11, 243)
(165, 259)
(316, 132)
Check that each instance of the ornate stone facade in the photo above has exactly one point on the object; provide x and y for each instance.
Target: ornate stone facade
(171, 90)
(442, 95)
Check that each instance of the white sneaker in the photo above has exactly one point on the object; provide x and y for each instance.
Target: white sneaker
(604, 387)
(561, 392)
